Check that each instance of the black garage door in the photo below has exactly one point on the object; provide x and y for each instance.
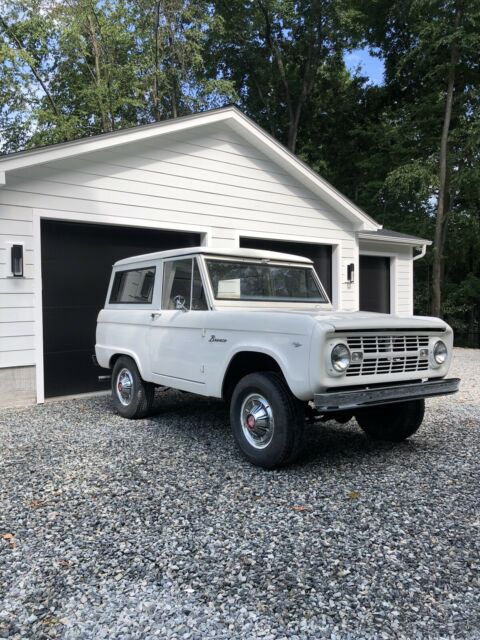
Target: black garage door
(375, 284)
(321, 254)
(76, 264)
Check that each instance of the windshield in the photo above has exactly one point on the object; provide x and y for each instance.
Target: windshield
(267, 282)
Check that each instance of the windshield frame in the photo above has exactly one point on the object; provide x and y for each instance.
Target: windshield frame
(265, 302)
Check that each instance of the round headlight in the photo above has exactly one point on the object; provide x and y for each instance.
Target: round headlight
(440, 352)
(341, 357)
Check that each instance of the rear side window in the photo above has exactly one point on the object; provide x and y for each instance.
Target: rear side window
(134, 286)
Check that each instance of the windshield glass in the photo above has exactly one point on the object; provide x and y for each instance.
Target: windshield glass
(260, 281)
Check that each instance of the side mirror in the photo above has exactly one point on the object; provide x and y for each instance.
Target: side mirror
(180, 303)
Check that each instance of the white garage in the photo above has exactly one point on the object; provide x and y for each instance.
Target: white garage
(68, 211)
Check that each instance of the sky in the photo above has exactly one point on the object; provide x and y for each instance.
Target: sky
(370, 66)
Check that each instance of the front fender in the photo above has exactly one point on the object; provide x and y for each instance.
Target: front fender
(291, 353)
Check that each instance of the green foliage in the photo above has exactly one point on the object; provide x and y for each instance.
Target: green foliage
(71, 68)
(276, 52)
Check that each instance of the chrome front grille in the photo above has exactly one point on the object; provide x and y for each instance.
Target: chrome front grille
(387, 354)
(382, 344)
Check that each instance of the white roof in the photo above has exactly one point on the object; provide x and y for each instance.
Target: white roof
(387, 235)
(256, 254)
(232, 117)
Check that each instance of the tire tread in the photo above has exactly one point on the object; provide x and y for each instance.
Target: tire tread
(142, 405)
(290, 409)
(392, 422)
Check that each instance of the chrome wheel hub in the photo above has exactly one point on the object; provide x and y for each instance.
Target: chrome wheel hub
(256, 417)
(124, 387)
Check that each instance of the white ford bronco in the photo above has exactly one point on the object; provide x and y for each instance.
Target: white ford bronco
(257, 329)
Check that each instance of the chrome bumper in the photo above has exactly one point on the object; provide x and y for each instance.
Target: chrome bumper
(347, 400)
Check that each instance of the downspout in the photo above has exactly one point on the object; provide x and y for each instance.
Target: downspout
(421, 254)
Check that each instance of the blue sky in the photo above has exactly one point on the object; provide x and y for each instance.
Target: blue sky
(370, 66)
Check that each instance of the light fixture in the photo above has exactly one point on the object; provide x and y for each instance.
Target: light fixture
(17, 260)
(350, 273)
(440, 352)
(340, 357)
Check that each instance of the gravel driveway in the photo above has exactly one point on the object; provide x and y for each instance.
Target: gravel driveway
(157, 529)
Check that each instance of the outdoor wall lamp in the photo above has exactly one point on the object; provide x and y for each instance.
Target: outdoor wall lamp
(350, 273)
(17, 260)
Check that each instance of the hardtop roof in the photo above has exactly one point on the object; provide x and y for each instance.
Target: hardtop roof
(225, 252)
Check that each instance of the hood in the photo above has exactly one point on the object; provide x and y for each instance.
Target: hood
(364, 320)
(347, 320)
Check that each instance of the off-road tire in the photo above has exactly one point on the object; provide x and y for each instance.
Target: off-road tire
(289, 420)
(142, 395)
(392, 422)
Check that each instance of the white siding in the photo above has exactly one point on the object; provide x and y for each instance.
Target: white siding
(212, 182)
(405, 282)
(17, 333)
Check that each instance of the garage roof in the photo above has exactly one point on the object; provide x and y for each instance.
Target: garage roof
(387, 235)
(230, 116)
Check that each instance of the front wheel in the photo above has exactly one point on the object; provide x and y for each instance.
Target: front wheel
(392, 422)
(267, 420)
(132, 397)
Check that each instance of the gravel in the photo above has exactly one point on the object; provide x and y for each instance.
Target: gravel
(158, 529)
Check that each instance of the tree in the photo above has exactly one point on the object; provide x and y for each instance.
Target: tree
(95, 79)
(275, 51)
(173, 36)
(71, 68)
(27, 36)
(431, 52)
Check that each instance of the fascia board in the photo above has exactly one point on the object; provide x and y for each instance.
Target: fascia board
(109, 141)
(415, 242)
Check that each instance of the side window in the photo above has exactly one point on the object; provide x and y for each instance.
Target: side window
(177, 281)
(199, 300)
(134, 286)
(182, 278)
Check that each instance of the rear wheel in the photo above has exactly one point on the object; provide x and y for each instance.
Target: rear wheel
(392, 422)
(132, 397)
(267, 420)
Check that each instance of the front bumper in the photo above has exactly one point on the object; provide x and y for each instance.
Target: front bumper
(347, 400)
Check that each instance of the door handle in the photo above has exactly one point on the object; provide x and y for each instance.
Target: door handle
(155, 315)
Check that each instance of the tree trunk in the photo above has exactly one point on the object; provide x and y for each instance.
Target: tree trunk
(175, 88)
(156, 92)
(97, 55)
(293, 128)
(295, 114)
(295, 99)
(443, 200)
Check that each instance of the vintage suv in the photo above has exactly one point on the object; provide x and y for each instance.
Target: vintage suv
(257, 329)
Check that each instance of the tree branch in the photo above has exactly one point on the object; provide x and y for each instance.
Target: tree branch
(276, 54)
(21, 47)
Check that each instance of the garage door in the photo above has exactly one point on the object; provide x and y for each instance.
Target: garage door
(375, 284)
(76, 265)
(321, 255)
